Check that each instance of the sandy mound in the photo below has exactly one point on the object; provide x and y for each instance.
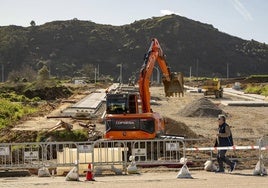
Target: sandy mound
(201, 108)
(177, 128)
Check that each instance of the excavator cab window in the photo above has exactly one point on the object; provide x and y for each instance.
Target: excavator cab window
(116, 107)
(121, 103)
(116, 104)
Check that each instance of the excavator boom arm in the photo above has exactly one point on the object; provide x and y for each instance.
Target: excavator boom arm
(171, 83)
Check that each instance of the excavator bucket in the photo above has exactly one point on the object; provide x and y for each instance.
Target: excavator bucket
(174, 87)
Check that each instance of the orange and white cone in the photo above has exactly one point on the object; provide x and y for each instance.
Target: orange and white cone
(89, 175)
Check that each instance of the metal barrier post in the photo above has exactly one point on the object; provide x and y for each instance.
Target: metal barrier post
(77, 159)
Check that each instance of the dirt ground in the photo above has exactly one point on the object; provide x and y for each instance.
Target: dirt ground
(246, 122)
(192, 116)
(43, 122)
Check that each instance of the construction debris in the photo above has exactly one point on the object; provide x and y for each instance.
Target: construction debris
(93, 134)
(88, 125)
(61, 124)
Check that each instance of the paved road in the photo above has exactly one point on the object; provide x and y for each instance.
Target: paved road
(241, 94)
(246, 99)
(201, 179)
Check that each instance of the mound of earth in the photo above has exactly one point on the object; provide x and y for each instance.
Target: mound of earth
(177, 128)
(7, 136)
(49, 93)
(201, 108)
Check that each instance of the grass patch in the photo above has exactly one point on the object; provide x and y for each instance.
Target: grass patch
(11, 112)
(63, 135)
(260, 89)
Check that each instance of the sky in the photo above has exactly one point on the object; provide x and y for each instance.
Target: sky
(246, 19)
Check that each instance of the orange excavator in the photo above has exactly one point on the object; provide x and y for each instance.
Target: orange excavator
(126, 118)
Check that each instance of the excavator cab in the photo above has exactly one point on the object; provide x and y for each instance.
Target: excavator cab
(174, 86)
(121, 104)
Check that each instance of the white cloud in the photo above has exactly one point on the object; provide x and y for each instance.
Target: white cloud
(242, 10)
(166, 12)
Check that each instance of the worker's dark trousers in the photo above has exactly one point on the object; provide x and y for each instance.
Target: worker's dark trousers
(222, 158)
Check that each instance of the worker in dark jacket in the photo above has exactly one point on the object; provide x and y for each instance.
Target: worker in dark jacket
(224, 139)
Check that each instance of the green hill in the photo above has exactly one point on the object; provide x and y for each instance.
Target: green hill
(74, 48)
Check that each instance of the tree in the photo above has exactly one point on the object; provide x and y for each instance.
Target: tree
(33, 23)
(25, 73)
(43, 74)
(88, 70)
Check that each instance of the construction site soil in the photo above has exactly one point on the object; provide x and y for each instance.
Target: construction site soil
(192, 116)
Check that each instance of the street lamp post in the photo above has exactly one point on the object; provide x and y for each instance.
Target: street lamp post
(197, 69)
(120, 73)
(227, 71)
(121, 79)
(98, 72)
(190, 74)
(158, 75)
(3, 77)
(95, 75)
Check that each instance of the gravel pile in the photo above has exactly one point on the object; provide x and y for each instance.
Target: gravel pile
(201, 108)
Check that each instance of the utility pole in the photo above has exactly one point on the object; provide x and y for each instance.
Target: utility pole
(49, 68)
(121, 79)
(3, 77)
(95, 75)
(190, 74)
(158, 75)
(197, 69)
(98, 72)
(227, 71)
(120, 73)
